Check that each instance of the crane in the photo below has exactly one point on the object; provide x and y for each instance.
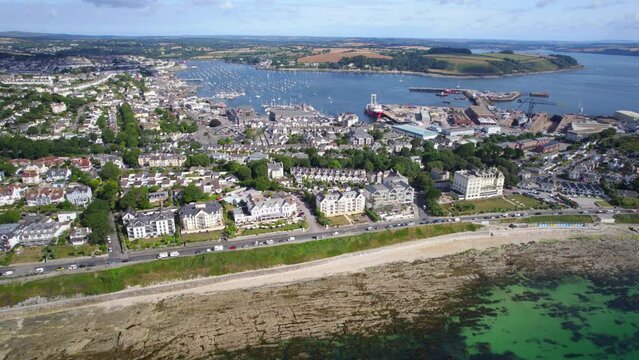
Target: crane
(532, 102)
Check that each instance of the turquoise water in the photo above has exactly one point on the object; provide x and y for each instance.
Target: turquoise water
(607, 83)
(566, 318)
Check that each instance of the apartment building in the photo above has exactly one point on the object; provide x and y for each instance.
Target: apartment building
(393, 191)
(259, 209)
(341, 203)
(480, 184)
(162, 160)
(201, 217)
(140, 225)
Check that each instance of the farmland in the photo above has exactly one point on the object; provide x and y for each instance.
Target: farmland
(334, 55)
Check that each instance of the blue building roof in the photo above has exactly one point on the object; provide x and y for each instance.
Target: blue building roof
(416, 131)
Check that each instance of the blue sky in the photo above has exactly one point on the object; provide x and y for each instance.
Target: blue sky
(477, 19)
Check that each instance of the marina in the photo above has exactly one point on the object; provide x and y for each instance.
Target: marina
(602, 87)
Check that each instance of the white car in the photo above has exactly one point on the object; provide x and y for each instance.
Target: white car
(218, 248)
(38, 270)
(72, 267)
(270, 242)
(336, 233)
(7, 273)
(174, 254)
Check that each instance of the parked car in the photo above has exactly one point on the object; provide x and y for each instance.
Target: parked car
(232, 247)
(7, 273)
(270, 242)
(174, 254)
(218, 248)
(163, 255)
(38, 270)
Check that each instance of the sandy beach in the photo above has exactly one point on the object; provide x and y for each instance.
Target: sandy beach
(282, 275)
(357, 293)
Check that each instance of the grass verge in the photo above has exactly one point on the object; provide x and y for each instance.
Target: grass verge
(627, 218)
(116, 279)
(553, 219)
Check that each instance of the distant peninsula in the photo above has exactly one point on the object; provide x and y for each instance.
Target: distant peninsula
(437, 61)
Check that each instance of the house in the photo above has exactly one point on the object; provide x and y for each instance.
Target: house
(79, 236)
(43, 233)
(258, 209)
(44, 196)
(140, 225)
(162, 160)
(341, 203)
(359, 137)
(393, 191)
(9, 236)
(80, 195)
(201, 217)
(67, 216)
(11, 193)
(158, 197)
(31, 176)
(479, 184)
(343, 176)
(103, 159)
(57, 108)
(275, 171)
(58, 175)
(83, 164)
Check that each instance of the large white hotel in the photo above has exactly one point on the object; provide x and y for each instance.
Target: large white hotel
(480, 184)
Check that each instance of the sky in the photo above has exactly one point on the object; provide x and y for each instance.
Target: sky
(564, 20)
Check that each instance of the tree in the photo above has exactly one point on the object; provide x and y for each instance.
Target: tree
(192, 193)
(96, 217)
(110, 171)
(9, 217)
(262, 183)
(131, 157)
(136, 198)
(109, 192)
(8, 168)
(198, 160)
(215, 123)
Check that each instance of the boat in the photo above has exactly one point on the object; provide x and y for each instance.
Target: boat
(374, 109)
(540, 94)
(442, 94)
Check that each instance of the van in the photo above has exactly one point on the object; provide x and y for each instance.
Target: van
(292, 238)
(218, 248)
(174, 254)
(163, 255)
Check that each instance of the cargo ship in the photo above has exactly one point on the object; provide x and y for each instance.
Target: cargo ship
(540, 94)
(374, 109)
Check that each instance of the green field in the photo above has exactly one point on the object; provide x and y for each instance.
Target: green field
(627, 218)
(339, 220)
(603, 204)
(487, 64)
(553, 219)
(494, 205)
(199, 237)
(116, 279)
(289, 227)
(630, 203)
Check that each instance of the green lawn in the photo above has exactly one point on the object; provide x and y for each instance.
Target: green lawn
(144, 274)
(152, 243)
(630, 203)
(528, 202)
(603, 204)
(210, 236)
(339, 220)
(494, 205)
(289, 227)
(64, 251)
(627, 218)
(553, 219)
(25, 255)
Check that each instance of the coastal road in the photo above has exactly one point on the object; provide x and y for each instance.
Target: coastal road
(248, 242)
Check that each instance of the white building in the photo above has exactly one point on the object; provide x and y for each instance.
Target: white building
(478, 184)
(341, 203)
(275, 171)
(201, 217)
(140, 225)
(259, 209)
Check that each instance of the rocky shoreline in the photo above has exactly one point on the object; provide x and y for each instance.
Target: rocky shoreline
(203, 326)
